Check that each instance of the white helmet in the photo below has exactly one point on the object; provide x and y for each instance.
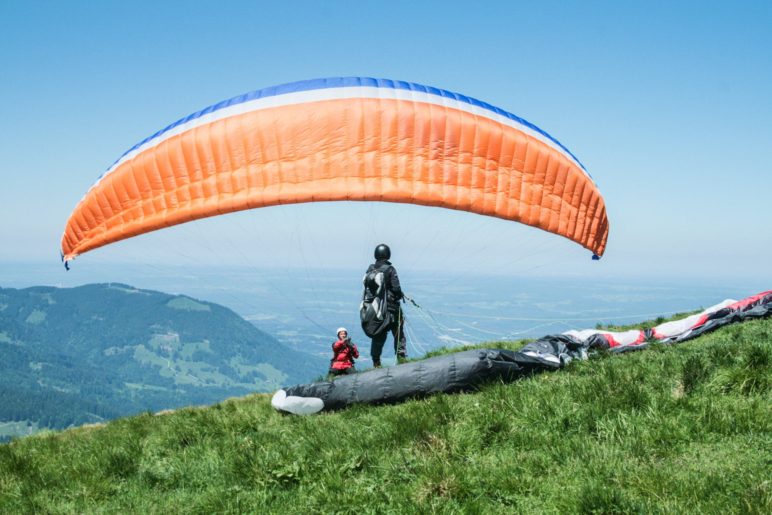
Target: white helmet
(339, 331)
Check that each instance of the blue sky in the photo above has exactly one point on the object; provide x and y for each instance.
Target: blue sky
(667, 104)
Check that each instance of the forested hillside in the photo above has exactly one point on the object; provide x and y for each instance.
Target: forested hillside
(96, 352)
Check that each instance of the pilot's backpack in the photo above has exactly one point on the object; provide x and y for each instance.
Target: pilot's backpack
(373, 311)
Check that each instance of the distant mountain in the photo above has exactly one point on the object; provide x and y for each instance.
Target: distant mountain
(78, 355)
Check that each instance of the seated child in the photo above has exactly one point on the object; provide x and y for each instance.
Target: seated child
(344, 352)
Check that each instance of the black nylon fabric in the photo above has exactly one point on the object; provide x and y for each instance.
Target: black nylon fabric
(758, 309)
(550, 352)
(451, 373)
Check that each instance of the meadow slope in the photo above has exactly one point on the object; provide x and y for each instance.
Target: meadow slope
(672, 429)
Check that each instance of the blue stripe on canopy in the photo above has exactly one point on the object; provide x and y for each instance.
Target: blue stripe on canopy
(345, 82)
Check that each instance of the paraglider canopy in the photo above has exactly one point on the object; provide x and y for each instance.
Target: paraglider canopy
(333, 139)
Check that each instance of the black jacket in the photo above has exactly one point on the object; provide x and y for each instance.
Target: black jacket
(393, 289)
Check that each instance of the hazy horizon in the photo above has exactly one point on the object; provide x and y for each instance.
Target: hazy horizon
(302, 306)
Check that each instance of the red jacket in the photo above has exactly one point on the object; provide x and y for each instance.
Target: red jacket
(344, 353)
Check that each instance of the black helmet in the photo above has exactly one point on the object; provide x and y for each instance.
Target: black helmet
(382, 251)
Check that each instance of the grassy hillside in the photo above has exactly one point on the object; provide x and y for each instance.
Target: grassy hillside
(686, 428)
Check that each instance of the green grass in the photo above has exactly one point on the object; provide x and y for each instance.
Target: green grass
(36, 317)
(187, 304)
(672, 429)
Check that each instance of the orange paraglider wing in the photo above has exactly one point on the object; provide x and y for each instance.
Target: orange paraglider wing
(342, 139)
